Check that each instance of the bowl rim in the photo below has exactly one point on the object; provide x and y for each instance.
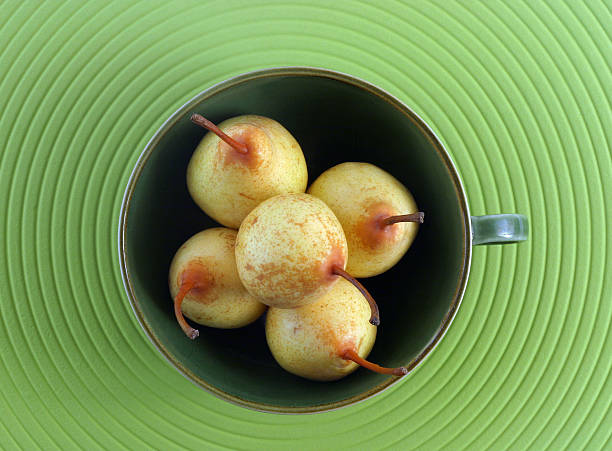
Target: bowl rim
(284, 71)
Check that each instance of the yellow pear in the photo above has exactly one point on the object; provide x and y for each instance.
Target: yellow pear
(378, 214)
(326, 340)
(242, 162)
(291, 250)
(205, 286)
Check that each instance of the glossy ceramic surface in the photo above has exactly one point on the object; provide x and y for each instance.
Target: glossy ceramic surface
(335, 118)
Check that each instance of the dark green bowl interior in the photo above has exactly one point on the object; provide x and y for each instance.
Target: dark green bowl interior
(334, 120)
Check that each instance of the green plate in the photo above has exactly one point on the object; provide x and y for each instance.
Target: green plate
(518, 91)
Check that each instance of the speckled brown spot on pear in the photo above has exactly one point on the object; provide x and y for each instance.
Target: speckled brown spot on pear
(371, 231)
(336, 257)
(196, 272)
(253, 138)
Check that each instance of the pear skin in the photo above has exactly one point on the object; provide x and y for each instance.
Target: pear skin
(227, 183)
(315, 341)
(362, 196)
(286, 250)
(216, 297)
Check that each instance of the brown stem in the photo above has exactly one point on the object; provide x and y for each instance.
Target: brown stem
(178, 302)
(202, 121)
(419, 216)
(350, 354)
(375, 316)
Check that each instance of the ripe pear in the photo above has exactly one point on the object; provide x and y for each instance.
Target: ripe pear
(205, 286)
(291, 250)
(242, 162)
(326, 340)
(378, 214)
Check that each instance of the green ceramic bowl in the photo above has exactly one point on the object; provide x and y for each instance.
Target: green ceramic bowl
(335, 118)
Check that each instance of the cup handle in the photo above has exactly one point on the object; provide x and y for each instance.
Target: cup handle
(499, 229)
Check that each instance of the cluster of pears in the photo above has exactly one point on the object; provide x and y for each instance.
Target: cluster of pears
(295, 254)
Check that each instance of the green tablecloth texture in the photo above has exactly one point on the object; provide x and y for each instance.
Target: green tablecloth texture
(519, 91)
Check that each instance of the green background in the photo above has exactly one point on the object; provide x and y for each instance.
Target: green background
(519, 91)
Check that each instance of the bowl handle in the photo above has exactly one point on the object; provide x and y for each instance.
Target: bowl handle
(499, 229)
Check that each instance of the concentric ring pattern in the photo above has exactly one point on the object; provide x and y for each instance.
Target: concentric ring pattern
(520, 92)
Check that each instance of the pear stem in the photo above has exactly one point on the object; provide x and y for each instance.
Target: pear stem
(350, 354)
(178, 302)
(412, 217)
(203, 122)
(375, 315)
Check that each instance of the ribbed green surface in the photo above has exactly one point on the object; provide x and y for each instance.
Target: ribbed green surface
(519, 91)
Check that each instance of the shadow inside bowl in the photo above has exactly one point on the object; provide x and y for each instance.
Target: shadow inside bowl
(334, 121)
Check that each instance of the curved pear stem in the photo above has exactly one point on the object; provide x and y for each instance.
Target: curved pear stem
(375, 315)
(419, 216)
(178, 302)
(350, 354)
(203, 122)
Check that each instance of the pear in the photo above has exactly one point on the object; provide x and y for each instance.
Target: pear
(327, 340)
(205, 286)
(378, 214)
(242, 162)
(291, 250)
